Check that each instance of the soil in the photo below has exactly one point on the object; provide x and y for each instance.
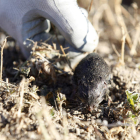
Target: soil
(35, 101)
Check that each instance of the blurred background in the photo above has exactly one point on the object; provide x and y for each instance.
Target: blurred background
(109, 18)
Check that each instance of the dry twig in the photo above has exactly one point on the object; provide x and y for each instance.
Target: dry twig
(21, 91)
(2, 47)
(121, 22)
(90, 6)
(123, 45)
(133, 49)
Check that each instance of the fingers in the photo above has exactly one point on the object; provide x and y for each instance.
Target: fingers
(34, 27)
(23, 20)
(72, 23)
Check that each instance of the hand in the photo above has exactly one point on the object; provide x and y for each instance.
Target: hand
(25, 20)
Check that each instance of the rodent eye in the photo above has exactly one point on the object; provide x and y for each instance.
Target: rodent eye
(100, 78)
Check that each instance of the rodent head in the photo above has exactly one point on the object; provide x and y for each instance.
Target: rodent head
(91, 93)
(91, 78)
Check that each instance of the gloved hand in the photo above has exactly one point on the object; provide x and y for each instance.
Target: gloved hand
(29, 19)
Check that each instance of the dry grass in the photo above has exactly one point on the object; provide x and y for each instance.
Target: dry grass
(2, 47)
(33, 105)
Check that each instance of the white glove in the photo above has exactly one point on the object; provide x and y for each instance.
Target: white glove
(26, 19)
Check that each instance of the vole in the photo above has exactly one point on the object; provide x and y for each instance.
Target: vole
(90, 79)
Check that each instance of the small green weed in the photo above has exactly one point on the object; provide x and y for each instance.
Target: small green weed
(134, 101)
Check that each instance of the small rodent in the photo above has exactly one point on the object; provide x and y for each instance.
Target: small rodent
(91, 78)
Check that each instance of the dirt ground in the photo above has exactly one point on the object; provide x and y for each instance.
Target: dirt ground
(34, 98)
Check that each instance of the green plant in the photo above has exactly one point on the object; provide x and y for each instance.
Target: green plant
(133, 99)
